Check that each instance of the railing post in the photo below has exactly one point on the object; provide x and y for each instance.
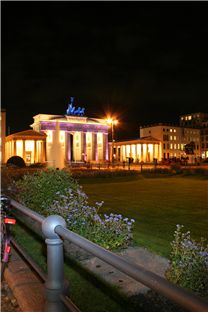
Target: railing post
(55, 264)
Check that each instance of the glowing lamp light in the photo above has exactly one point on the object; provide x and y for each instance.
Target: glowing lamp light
(111, 122)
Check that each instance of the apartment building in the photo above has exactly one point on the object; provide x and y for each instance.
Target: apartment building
(199, 121)
(173, 139)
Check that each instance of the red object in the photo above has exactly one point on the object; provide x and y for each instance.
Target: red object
(9, 221)
(8, 248)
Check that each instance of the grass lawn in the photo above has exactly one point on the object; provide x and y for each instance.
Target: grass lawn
(157, 205)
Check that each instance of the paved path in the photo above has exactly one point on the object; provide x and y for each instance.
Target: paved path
(8, 301)
(126, 284)
(25, 285)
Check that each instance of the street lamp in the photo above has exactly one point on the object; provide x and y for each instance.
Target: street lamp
(112, 122)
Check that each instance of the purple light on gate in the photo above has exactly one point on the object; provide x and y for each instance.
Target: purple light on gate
(48, 125)
(74, 127)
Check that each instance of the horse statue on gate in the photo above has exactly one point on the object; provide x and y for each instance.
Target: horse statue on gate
(72, 111)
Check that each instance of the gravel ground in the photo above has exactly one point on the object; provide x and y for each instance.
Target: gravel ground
(8, 301)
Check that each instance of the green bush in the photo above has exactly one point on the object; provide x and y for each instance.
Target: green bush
(189, 263)
(39, 190)
(56, 192)
(16, 161)
(108, 173)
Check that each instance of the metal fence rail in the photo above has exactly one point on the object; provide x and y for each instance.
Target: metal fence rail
(54, 227)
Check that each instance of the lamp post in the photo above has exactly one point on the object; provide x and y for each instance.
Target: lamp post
(112, 122)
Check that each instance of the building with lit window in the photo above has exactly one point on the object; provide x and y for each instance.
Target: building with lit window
(194, 120)
(173, 139)
(29, 145)
(146, 149)
(59, 140)
(200, 121)
(73, 138)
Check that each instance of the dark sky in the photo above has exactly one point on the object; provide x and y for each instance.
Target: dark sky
(143, 61)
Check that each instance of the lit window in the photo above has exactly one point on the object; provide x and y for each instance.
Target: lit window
(175, 146)
(29, 145)
(174, 138)
(174, 130)
(171, 146)
(189, 117)
(19, 148)
(171, 130)
(171, 137)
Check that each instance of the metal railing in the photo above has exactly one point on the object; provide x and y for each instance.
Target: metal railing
(54, 228)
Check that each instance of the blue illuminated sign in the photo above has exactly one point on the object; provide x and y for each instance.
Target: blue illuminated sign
(72, 111)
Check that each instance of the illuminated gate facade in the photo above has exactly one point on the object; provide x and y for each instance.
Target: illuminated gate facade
(73, 138)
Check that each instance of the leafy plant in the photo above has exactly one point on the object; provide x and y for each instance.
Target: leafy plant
(56, 192)
(39, 190)
(16, 161)
(189, 262)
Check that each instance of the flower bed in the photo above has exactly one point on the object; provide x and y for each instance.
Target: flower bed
(56, 192)
(189, 262)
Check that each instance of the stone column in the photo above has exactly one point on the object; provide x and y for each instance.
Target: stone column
(14, 146)
(153, 151)
(68, 147)
(94, 147)
(23, 150)
(83, 146)
(142, 157)
(35, 151)
(44, 151)
(105, 147)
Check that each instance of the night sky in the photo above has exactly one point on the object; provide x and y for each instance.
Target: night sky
(144, 62)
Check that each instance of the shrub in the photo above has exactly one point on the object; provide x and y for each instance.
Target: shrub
(56, 192)
(16, 161)
(38, 165)
(108, 173)
(38, 191)
(109, 231)
(189, 263)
